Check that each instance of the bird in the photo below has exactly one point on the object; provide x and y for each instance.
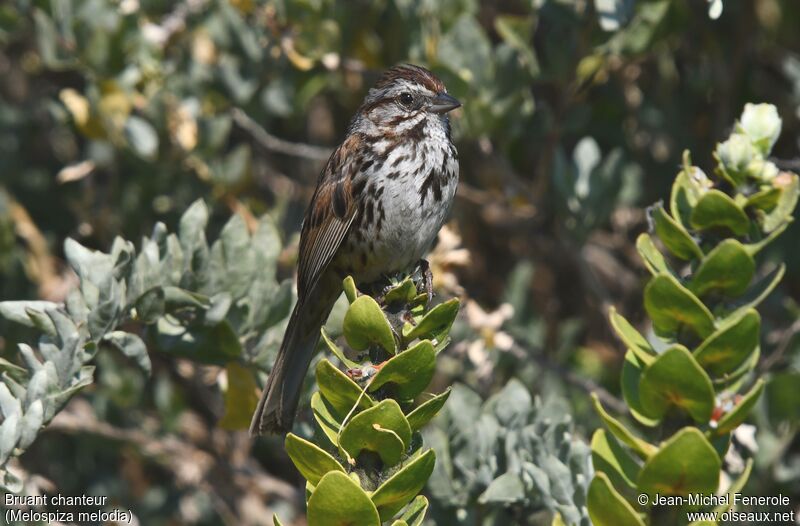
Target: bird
(376, 211)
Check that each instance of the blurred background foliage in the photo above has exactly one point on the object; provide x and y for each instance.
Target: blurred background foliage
(117, 114)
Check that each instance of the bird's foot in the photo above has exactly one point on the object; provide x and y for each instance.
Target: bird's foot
(427, 278)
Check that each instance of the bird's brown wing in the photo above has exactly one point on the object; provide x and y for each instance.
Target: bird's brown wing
(328, 218)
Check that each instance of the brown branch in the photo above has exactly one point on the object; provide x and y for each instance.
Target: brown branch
(276, 144)
(228, 480)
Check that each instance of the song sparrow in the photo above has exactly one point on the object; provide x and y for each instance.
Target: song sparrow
(377, 209)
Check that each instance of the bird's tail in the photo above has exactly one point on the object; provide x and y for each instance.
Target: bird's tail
(276, 409)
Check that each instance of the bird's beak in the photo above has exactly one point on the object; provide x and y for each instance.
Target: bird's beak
(442, 103)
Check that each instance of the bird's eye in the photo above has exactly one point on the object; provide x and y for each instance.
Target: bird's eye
(406, 98)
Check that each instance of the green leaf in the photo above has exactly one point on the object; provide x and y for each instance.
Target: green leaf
(632, 339)
(409, 372)
(365, 325)
(339, 353)
(382, 429)
(151, 305)
(609, 457)
(676, 379)
(671, 306)
(653, 259)
(759, 291)
(177, 298)
(276, 521)
(324, 414)
(716, 209)
(789, 185)
(435, 323)
(731, 344)
(503, 490)
(414, 514)
(689, 186)
(733, 380)
(736, 487)
(41, 321)
(755, 248)
(425, 412)
(673, 235)
(686, 463)
(400, 488)
(142, 137)
(131, 346)
(765, 199)
(349, 286)
(310, 460)
(632, 369)
(639, 446)
(339, 501)
(215, 345)
(241, 397)
(733, 418)
(607, 507)
(403, 293)
(17, 311)
(339, 390)
(728, 268)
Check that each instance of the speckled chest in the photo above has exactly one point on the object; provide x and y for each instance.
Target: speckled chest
(405, 191)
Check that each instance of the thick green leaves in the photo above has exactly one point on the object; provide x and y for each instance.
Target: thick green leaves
(350, 290)
(673, 235)
(716, 209)
(789, 185)
(672, 306)
(340, 391)
(425, 412)
(408, 373)
(414, 514)
(653, 259)
(402, 293)
(759, 291)
(676, 379)
(612, 459)
(400, 488)
(689, 186)
(728, 269)
(382, 429)
(435, 323)
(632, 369)
(736, 487)
(730, 345)
(738, 414)
(632, 339)
(310, 460)
(639, 446)
(686, 463)
(365, 325)
(340, 501)
(339, 353)
(607, 507)
(325, 417)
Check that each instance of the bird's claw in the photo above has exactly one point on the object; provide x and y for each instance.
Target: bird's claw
(427, 278)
